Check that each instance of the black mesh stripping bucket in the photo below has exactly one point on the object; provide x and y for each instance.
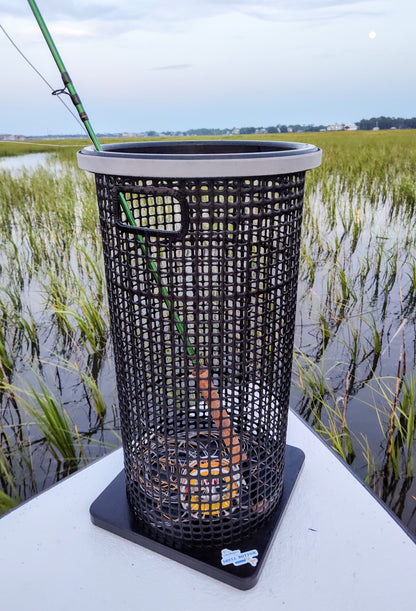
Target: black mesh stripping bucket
(201, 246)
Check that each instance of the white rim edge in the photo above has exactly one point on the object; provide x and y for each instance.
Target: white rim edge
(119, 164)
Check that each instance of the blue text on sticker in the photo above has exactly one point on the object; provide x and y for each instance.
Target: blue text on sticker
(237, 557)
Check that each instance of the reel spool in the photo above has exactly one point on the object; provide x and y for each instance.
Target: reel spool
(191, 477)
(210, 488)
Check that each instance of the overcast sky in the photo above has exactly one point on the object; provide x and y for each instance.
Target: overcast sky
(179, 64)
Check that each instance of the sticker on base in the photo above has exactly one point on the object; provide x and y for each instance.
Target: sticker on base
(237, 557)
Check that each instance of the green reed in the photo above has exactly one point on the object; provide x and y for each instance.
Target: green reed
(44, 432)
(321, 407)
(50, 417)
(79, 317)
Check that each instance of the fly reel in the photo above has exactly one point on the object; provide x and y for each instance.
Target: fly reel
(210, 488)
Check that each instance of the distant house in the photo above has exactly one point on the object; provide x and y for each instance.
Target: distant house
(351, 127)
(335, 128)
(11, 137)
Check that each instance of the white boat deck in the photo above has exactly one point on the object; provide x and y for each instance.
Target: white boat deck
(336, 549)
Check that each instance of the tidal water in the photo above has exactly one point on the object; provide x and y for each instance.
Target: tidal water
(20, 163)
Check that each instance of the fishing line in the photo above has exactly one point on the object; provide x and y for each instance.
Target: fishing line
(42, 144)
(56, 92)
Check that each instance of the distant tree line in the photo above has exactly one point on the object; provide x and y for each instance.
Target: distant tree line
(272, 129)
(364, 124)
(387, 123)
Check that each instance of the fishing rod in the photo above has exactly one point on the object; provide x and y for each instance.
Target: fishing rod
(201, 374)
(69, 86)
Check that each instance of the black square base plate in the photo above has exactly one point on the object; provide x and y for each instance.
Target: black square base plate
(239, 566)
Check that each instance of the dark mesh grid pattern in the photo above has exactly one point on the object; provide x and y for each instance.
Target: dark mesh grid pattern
(225, 255)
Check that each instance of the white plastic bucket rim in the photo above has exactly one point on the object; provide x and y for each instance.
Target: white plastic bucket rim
(200, 158)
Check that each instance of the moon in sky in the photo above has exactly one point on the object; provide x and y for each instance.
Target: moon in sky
(372, 35)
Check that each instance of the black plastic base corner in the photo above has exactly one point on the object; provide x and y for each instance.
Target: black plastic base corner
(239, 566)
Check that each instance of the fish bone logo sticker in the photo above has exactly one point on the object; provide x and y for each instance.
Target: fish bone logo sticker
(237, 557)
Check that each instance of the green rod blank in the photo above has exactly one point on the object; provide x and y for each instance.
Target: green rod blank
(64, 74)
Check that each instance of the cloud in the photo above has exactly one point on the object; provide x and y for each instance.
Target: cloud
(69, 9)
(68, 32)
(112, 19)
(162, 11)
(302, 10)
(173, 67)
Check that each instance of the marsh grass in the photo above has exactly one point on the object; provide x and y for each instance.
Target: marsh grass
(41, 441)
(353, 372)
(50, 417)
(52, 308)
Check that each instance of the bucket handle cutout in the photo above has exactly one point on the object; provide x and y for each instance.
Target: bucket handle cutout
(118, 191)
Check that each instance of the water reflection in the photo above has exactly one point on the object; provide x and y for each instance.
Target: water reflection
(29, 162)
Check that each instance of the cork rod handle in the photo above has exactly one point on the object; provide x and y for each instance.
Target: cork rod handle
(219, 415)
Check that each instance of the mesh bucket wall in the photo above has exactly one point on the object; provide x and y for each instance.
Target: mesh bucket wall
(225, 267)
